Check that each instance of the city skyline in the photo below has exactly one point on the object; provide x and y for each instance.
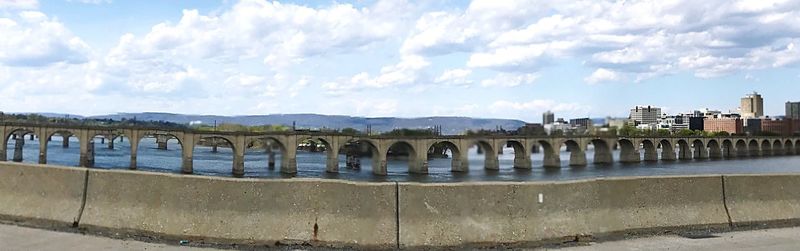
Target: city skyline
(510, 59)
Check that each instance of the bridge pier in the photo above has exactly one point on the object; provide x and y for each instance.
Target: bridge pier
(42, 150)
(491, 163)
(523, 163)
(630, 157)
(289, 160)
(668, 154)
(32, 137)
(684, 152)
(603, 156)
(460, 162)
(700, 153)
(19, 142)
(238, 166)
(715, 153)
(331, 162)
(379, 165)
(161, 142)
(111, 144)
(65, 141)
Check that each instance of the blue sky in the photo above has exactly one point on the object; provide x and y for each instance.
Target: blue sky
(481, 58)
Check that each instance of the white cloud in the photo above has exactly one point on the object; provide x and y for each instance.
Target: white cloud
(32, 39)
(405, 72)
(643, 38)
(510, 80)
(532, 109)
(603, 75)
(19, 4)
(90, 1)
(454, 77)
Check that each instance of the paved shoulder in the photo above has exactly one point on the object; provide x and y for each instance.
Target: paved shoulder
(766, 239)
(23, 238)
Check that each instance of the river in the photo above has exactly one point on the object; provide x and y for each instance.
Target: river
(313, 164)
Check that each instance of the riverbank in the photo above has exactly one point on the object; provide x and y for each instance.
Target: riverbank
(388, 215)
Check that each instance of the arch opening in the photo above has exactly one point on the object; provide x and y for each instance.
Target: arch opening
(684, 150)
(699, 150)
(777, 148)
(363, 154)
(741, 148)
(23, 146)
(628, 153)
(215, 155)
(766, 148)
(517, 150)
(753, 149)
(163, 155)
(650, 150)
(485, 157)
(402, 151)
(667, 150)
(63, 148)
(440, 151)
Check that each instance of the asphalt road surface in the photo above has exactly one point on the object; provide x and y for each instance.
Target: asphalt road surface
(23, 238)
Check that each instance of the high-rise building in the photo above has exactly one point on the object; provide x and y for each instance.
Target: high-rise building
(645, 115)
(548, 118)
(793, 110)
(752, 106)
(582, 122)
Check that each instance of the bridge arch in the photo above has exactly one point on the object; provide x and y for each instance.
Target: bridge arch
(65, 136)
(699, 150)
(714, 149)
(777, 147)
(330, 148)
(797, 147)
(602, 151)
(789, 147)
(577, 154)
(18, 148)
(522, 157)
(354, 148)
(728, 149)
(628, 152)
(489, 153)
(210, 159)
(414, 165)
(159, 157)
(684, 150)
(667, 150)
(754, 148)
(650, 150)
(741, 148)
(457, 163)
(766, 148)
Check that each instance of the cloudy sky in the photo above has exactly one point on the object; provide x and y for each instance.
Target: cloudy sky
(482, 58)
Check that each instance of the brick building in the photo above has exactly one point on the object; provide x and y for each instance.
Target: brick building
(730, 125)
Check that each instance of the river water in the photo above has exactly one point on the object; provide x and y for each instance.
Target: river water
(313, 164)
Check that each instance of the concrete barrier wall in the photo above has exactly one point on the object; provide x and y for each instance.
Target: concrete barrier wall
(475, 214)
(256, 211)
(41, 194)
(755, 199)
(342, 213)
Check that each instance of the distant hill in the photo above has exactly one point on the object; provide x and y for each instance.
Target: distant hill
(450, 125)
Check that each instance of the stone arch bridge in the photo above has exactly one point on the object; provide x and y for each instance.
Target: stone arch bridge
(631, 148)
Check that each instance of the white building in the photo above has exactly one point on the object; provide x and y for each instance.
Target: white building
(647, 115)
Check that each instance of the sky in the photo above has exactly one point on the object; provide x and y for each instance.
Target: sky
(483, 58)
